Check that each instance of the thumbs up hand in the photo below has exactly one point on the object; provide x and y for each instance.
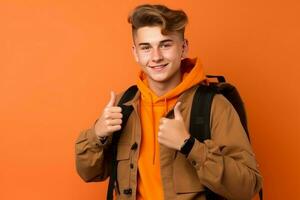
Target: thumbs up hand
(172, 132)
(110, 120)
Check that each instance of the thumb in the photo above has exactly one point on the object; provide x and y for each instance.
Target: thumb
(112, 99)
(177, 113)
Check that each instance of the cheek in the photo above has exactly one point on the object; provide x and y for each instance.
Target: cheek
(143, 59)
(173, 55)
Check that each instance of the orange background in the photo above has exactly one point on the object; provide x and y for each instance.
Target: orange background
(60, 59)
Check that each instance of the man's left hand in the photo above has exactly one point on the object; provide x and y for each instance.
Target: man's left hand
(172, 132)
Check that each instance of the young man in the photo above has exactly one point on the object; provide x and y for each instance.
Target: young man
(157, 156)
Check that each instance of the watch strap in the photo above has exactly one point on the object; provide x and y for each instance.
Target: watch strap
(187, 146)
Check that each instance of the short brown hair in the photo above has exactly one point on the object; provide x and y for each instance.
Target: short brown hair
(158, 15)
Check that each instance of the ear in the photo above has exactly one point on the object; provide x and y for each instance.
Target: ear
(185, 48)
(133, 48)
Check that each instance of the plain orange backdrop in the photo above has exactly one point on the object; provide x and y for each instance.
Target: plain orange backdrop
(60, 59)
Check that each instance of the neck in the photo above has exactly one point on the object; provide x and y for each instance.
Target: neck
(161, 88)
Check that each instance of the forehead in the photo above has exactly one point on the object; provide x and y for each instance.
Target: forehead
(153, 35)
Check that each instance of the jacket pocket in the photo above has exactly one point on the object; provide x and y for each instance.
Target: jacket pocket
(185, 176)
(123, 171)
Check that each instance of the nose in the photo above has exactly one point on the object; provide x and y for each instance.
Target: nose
(156, 55)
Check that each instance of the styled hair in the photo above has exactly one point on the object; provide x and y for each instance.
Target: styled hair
(158, 15)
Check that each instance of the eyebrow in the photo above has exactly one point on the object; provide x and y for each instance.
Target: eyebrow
(163, 41)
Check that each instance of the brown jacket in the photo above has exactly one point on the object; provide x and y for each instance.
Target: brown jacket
(225, 164)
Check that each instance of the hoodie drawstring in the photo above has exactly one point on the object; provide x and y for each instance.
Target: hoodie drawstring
(166, 106)
(153, 129)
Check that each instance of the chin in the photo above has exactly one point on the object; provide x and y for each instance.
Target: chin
(159, 79)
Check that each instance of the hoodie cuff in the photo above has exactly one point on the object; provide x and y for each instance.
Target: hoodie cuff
(197, 155)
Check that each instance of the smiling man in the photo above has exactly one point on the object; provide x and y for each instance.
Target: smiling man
(159, 57)
(156, 156)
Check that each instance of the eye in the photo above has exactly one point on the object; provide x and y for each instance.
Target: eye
(145, 47)
(166, 45)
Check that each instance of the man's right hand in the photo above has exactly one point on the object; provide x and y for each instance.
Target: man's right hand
(110, 120)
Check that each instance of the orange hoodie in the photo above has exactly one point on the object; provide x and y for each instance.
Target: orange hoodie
(152, 109)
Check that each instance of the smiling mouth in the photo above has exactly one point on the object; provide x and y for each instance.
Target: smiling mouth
(158, 66)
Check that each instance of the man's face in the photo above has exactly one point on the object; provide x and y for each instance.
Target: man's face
(159, 55)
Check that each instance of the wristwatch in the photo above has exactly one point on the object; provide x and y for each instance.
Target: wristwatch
(187, 146)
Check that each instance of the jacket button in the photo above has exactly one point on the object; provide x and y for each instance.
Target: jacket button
(131, 165)
(134, 146)
(127, 191)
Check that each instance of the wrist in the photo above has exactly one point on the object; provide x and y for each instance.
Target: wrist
(102, 138)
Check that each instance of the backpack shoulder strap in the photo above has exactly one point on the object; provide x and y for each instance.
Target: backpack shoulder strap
(200, 121)
(128, 94)
(126, 111)
(200, 113)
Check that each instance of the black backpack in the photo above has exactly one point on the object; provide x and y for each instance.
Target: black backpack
(199, 122)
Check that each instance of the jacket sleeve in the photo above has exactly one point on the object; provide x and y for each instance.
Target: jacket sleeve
(226, 164)
(92, 157)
